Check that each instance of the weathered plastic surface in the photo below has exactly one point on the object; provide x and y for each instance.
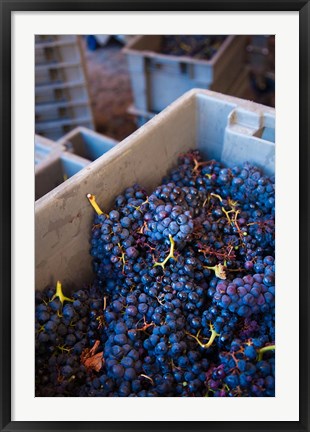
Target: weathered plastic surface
(158, 79)
(55, 171)
(86, 143)
(222, 127)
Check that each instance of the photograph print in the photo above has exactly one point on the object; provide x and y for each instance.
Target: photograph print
(155, 215)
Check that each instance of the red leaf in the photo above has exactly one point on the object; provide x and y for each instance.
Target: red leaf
(91, 360)
(95, 362)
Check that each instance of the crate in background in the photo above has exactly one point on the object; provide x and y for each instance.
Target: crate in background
(58, 72)
(87, 143)
(59, 110)
(238, 88)
(56, 49)
(62, 126)
(158, 79)
(57, 161)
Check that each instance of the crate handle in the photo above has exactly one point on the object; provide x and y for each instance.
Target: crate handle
(187, 69)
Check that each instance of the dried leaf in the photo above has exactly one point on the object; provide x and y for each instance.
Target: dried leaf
(94, 348)
(220, 271)
(95, 362)
(90, 359)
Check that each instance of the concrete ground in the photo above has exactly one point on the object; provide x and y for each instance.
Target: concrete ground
(110, 90)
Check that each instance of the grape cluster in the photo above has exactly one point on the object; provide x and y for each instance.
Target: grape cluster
(164, 220)
(248, 295)
(183, 298)
(65, 327)
(243, 371)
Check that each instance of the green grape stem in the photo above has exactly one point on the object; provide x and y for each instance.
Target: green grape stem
(171, 254)
(263, 350)
(210, 341)
(60, 294)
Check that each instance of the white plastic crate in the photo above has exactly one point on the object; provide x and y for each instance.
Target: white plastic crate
(222, 127)
(238, 88)
(55, 171)
(60, 110)
(60, 91)
(158, 79)
(57, 49)
(58, 72)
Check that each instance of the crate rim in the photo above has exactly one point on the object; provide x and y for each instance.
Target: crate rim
(82, 129)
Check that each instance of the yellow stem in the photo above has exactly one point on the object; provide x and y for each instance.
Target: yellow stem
(92, 200)
(147, 377)
(216, 196)
(210, 341)
(41, 329)
(227, 215)
(233, 204)
(171, 254)
(206, 201)
(263, 350)
(122, 254)
(62, 348)
(60, 294)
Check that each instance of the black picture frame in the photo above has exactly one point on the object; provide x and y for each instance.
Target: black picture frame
(7, 7)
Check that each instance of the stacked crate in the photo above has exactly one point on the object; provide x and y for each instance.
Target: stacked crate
(61, 93)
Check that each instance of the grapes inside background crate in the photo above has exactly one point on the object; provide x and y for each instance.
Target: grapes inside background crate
(157, 78)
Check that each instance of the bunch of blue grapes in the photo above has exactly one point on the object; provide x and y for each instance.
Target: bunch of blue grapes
(183, 298)
(248, 295)
(246, 369)
(164, 220)
(64, 328)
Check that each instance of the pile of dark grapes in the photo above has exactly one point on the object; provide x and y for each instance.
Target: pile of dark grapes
(183, 297)
(197, 46)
